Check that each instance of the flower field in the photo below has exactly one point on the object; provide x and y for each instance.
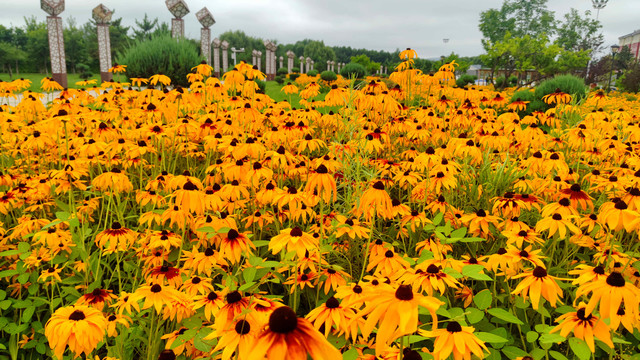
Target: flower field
(399, 218)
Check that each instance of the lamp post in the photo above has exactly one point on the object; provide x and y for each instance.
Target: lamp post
(614, 50)
(599, 4)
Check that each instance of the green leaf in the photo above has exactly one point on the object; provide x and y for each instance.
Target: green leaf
(459, 233)
(532, 336)
(472, 239)
(8, 273)
(551, 339)
(5, 304)
(351, 354)
(249, 274)
(438, 218)
(28, 313)
(23, 278)
(474, 315)
(490, 338)
(580, 348)
(24, 247)
(10, 252)
(513, 352)
(452, 272)
(556, 355)
(475, 272)
(505, 315)
(3, 294)
(483, 299)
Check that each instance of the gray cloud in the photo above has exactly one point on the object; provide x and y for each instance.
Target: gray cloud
(373, 24)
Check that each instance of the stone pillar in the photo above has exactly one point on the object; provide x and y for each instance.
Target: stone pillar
(225, 56)
(281, 64)
(259, 58)
(254, 61)
(216, 57)
(206, 19)
(179, 9)
(56, 39)
(301, 64)
(205, 44)
(102, 17)
(274, 69)
(308, 64)
(312, 64)
(290, 59)
(177, 28)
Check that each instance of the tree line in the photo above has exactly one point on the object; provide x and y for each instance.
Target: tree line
(525, 35)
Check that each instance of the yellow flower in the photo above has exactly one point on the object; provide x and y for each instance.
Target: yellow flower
(79, 327)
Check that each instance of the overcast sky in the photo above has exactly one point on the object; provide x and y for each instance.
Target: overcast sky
(372, 24)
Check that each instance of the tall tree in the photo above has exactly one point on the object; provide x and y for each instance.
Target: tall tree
(320, 53)
(519, 17)
(580, 33)
(145, 28)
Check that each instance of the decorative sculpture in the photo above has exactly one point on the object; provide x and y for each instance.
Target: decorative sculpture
(56, 40)
(102, 16)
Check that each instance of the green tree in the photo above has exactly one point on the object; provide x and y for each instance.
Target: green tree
(37, 45)
(577, 33)
(74, 46)
(319, 53)
(518, 17)
(10, 55)
(145, 28)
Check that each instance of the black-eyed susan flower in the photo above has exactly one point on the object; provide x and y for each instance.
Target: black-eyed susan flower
(584, 326)
(290, 337)
(608, 294)
(395, 311)
(456, 340)
(538, 283)
(293, 240)
(79, 327)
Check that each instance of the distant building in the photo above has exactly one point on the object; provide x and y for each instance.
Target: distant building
(632, 41)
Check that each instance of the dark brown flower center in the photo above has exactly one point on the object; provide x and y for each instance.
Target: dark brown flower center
(156, 288)
(454, 327)
(167, 355)
(378, 185)
(296, 232)
(232, 234)
(539, 272)
(404, 293)
(233, 297)
(243, 327)
(77, 315)
(332, 303)
(615, 279)
(581, 315)
(433, 269)
(283, 320)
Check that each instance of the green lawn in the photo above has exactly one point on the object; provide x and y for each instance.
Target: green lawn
(36, 78)
(273, 90)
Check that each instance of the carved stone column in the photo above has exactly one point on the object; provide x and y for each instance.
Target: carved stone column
(225, 56)
(216, 57)
(206, 19)
(56, 39)
(179, 9)
(102, 17)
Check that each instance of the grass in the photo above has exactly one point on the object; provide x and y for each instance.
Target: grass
(36, 78)
(273, 90)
